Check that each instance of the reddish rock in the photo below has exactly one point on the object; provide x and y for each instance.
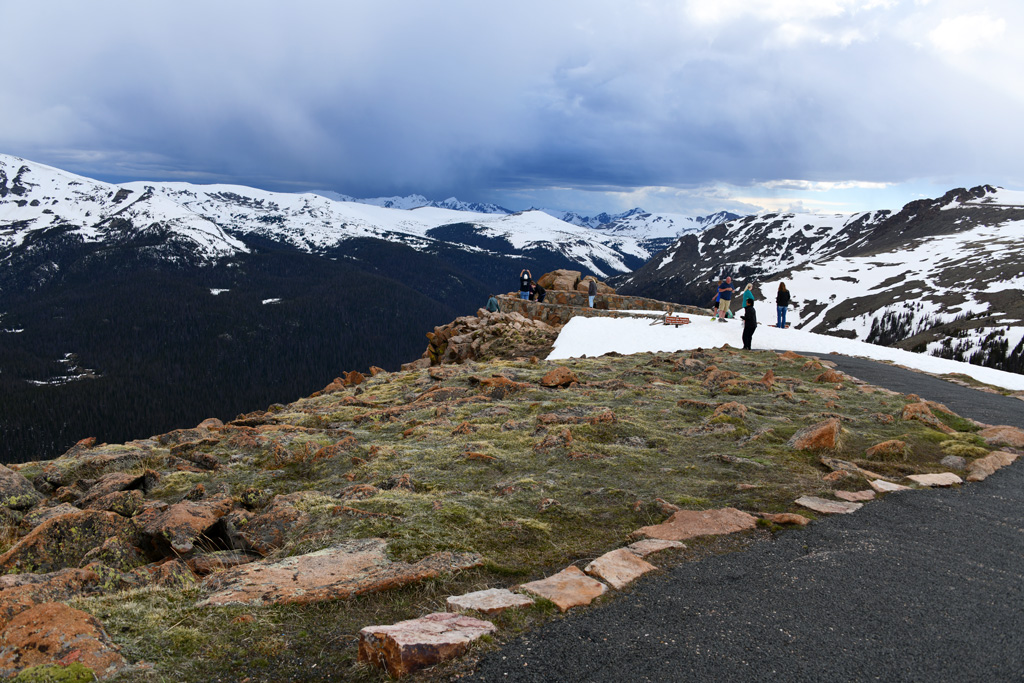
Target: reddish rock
(732, 409)
(939, 479)
(53, 633)
(40, 514)
(409, 646)
(1003, 435)
(855, 496)
(980, 469)
(567, 589)
(649, 546)
(559, 377)
(619, 568)
(124, 503)
(16, 492)
(19, 592)
(820, 436)
(352, 568)
(832, 507)
(582, 415)
(769, 379)
(63, 541)
(168, 573)
(830, 377)
(922, 413)
(692, 523)
(883, 486)
(562, 439)
(791, 355)
(490, 601)
(785, 518)
(268, 531)
(176, 528)
(894, 448)
(117, 553)
(208, 563)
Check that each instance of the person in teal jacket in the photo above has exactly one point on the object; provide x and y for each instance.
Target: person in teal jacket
(748, 294)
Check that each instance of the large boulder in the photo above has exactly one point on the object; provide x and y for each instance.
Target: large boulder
(560, 280)
(63, 541)
(175, 529)
(408, 646)
(19, 592)
(16, 492)
(53, 633)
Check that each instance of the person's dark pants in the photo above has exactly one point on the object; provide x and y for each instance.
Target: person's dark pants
(748, 335)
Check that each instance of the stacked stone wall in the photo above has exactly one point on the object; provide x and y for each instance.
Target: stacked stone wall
(561, 306)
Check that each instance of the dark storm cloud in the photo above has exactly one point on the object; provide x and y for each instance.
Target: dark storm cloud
(482, 100)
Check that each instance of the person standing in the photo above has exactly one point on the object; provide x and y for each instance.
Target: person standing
(592, 292)
(782, 305)
(524, 284)
(748, 294)
(749, 323)
(724, 298)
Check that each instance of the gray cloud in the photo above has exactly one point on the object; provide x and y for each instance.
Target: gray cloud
(488, 102)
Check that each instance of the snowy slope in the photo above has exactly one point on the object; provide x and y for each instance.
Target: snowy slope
(34, 198)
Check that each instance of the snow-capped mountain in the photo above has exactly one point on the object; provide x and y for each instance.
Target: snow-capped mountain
(943, 276)
(657, 231)
(214, 220)
(416, 201)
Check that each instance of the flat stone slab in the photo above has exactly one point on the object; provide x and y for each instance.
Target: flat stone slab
(692, 523)
(855, 496)
(490, 601)
(831, 507)
(619, 568)
(567, 589)
(649, 546)
(408, 646)
(785, 518)
(351, 568)
(883, 486)
(941, 479)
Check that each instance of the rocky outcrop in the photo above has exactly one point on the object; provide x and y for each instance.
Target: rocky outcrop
(485, 335)
(16, 492)
(63, 541)
(53, 633)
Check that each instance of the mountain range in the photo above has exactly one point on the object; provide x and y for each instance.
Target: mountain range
(133, 308)
(943, 276)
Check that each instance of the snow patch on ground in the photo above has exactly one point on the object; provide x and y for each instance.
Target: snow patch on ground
(597, 336)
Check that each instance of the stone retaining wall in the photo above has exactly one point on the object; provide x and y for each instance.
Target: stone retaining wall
(560, 306)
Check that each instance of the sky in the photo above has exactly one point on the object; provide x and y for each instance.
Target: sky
(681, 106)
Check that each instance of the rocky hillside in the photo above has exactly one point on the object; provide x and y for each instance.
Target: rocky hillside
(287, 541)
(942, 276)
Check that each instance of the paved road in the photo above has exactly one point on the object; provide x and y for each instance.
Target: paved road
(919, 586)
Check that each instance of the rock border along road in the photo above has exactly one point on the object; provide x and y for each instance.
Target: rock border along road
(923, 585)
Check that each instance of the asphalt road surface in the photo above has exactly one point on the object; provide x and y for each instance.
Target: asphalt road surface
(918, 586)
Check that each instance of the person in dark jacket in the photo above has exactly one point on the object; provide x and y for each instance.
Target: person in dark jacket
(749, 323)
(724, 299)
(492, 304)
(538, 291)
(592, 291)
(525, 278)
(782, 304)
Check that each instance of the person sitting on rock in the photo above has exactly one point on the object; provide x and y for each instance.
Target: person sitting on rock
(492, 304)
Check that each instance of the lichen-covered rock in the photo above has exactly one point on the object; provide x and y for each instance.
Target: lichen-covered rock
(124, 503)
(921, 412)
(19, 592)
(887, 450)
(63, 541)
(16, 492)
(267, 531)
(1003, 435)
(174, 529)
(53, 633)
